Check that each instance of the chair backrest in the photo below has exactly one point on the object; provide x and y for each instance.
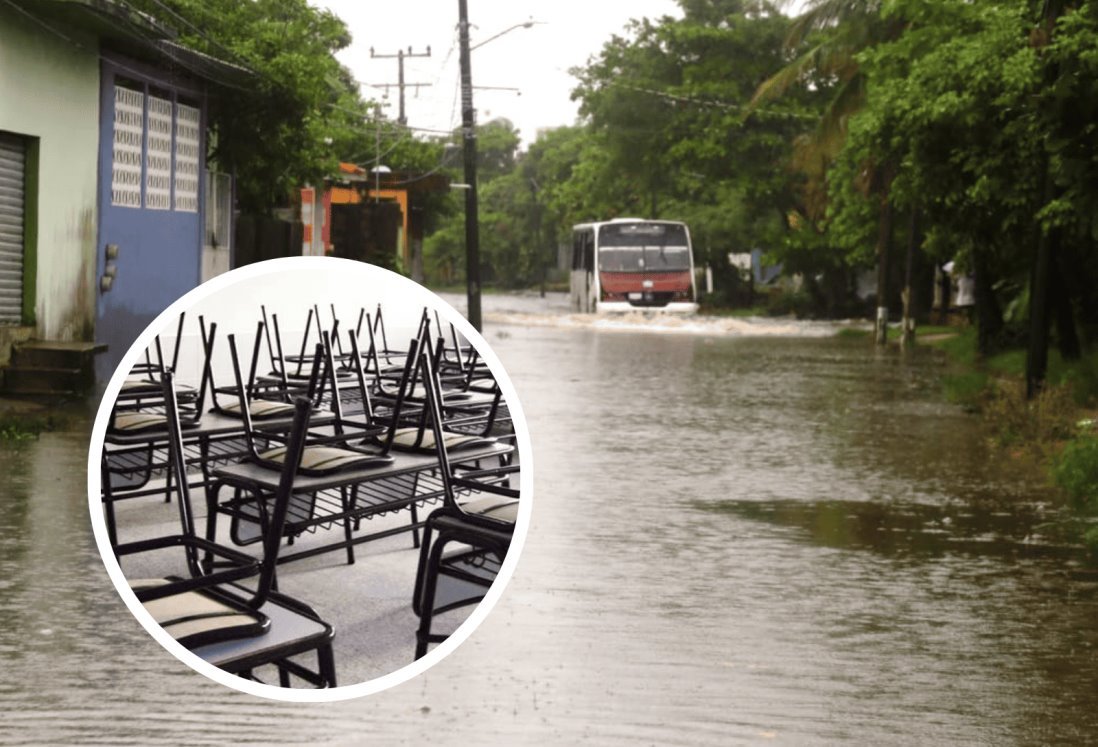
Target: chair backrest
(397, 408)
(276, 519)
(206, 383)
(177, 465)
(377, 328)
(155, 370)
(272, 540)
(449, 481)
(279, 362)
(244, 394)
(376, 352)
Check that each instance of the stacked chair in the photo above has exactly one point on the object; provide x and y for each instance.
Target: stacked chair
(214, 613)
(465, 540)
(343, 429)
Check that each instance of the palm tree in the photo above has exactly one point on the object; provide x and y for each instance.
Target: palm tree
(835, 32)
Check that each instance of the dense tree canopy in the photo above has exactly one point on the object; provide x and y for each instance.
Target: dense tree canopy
(301, 110)
(964, 131)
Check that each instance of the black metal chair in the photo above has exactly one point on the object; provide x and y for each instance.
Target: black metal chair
(139, 406)
(324, 452)
(137, 430)
(342, 443)
(466, 540)
(228, 613)
(267, 398)
(470, 413)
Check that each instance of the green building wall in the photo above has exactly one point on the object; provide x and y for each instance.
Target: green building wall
(49, 93)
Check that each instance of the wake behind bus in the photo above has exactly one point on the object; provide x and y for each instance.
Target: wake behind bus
(631, 264)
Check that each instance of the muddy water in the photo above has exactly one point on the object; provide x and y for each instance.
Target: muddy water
(745, 531)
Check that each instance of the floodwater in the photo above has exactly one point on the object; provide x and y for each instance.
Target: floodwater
(743, 532)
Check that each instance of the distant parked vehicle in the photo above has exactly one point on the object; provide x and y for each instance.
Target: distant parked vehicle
(630, 264)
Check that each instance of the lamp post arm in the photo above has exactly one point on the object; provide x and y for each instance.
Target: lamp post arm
(493, 37)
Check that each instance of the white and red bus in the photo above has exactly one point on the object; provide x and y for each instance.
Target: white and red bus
(631, 264)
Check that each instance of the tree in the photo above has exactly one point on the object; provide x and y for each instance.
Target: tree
(444, 249)
(668, 105)
(284, 129)
(833, 33)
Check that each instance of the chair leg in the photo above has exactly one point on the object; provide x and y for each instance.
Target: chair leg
(168, 486)
(427, 599)
(421, 570)
(347, 523)
(326, 662)
(354, 504)
(415, 514)
(415, 530)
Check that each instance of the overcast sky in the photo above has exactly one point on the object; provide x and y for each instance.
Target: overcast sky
(535, 60)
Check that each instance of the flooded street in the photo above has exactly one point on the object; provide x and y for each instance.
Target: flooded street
(744, 531)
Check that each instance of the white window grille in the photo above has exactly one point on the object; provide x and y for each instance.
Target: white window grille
(158, 155)
(187, 141)
(129, 130)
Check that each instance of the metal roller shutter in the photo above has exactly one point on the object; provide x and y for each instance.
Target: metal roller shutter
(12, 167)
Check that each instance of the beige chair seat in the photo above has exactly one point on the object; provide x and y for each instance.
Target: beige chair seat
(260, 409)
(134, 422)
(405, 438)
(192, 614)
(138, 383)
(495, 507)
(322, 460)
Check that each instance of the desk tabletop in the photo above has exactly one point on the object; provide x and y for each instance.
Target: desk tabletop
(265, 478)
(212, 425)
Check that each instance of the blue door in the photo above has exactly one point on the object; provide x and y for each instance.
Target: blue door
(151, 180)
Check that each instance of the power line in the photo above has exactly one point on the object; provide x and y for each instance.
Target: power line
(711, 103)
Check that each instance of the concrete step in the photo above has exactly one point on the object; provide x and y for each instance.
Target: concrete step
(45, 380)
(44, 354)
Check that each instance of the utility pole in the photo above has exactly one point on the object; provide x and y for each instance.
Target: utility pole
(469, 149)
(400, 55)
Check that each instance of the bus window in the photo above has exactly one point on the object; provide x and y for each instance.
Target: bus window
(588, 251)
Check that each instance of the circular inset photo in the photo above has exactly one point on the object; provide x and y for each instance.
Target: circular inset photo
(310, 479)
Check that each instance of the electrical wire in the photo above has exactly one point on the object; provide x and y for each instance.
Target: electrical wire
(723, 105)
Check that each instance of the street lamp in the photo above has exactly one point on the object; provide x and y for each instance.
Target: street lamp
(469, 148)
(524, 25)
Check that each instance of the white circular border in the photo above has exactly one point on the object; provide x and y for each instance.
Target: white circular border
(342, 692)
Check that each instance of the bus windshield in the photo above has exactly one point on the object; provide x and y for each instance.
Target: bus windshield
(643, 247)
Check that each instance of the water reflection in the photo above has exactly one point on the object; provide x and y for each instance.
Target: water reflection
(913, 530)
(736, 539)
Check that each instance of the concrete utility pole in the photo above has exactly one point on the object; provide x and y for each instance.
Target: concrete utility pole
(400, 55)
(469, 149)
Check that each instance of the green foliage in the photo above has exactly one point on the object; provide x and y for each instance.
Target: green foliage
(1075, 471)
(1037, 423)
(1082, 377)
(25, 427)
(668, 105)
(794, 135)
(508, 208)
(444, 253)
(967, 389)
(785, 302)
(285, 126)
(15, 433)
(497, 148)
